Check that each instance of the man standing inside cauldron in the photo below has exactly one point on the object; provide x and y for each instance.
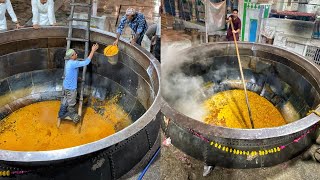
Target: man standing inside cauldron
(236, 25)
(68, 102)
(136, 22)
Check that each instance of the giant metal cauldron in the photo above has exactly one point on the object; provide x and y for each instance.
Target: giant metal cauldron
(31, 68)
(286, 79)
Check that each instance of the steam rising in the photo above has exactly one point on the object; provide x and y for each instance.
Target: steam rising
(177, 88)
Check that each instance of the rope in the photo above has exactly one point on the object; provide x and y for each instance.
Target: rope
(224, 148)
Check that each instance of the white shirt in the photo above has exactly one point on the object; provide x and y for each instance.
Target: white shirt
(318, 14)
(43, 14)
(3, 8)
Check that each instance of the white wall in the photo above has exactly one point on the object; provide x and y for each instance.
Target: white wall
(240, 15)
(96, 21)
(292, 35)
(314, 2)
(251, 14)
(291, 27)
(308, 8)
(278, 5)
(291, 43)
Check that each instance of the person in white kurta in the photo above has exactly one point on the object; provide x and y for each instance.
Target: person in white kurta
(43, 13)
(5, 5)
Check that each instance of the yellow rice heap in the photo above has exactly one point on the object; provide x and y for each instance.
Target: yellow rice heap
(34, 127)
(229, 109)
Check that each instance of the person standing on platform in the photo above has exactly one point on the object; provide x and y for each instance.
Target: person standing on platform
(236, 25)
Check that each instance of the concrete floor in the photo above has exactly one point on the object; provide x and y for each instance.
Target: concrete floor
(175, 165)
(152, 173)
(173, 41)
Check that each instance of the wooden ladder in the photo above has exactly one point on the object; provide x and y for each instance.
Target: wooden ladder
(86, 40)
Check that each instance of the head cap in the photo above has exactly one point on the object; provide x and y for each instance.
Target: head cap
(130, 11)
(69, 53)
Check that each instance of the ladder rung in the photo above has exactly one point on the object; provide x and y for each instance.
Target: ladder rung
(78, 19)
(80, 4)
(77, 39)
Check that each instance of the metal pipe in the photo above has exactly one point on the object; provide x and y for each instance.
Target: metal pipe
(149, 164)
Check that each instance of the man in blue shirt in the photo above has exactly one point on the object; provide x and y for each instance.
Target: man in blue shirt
(136, 22)
(68, 102)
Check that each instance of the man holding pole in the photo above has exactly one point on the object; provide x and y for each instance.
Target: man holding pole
(233, 35)
(236, 24)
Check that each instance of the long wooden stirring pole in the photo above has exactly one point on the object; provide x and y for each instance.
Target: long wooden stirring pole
(242, 77)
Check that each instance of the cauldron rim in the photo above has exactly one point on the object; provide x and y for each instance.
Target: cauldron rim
(242, 134)
(73, 152)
